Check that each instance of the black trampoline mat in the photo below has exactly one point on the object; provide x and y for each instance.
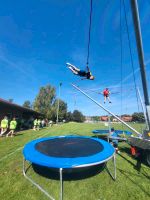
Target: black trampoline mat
(69, 147)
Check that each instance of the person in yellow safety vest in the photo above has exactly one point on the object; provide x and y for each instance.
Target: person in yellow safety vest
(12, 127)
(35, 124)
(4, 126)
(38, 124)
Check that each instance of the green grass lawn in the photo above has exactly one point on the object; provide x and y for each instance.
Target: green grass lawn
(130, 183)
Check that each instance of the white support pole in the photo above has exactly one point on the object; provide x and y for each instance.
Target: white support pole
(61, 183)
(135, 131)
(109, 125)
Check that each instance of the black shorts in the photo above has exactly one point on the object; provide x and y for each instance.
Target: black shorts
(115, 145)
(82, 73)
(107, 95)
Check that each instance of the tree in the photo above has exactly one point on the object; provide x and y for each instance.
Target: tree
(111, 118)
(78, 116)
(27, 104)
(69, 117)
(10, 100)
(95, 118)
(62, 110)
(139, 117)
(44, 101)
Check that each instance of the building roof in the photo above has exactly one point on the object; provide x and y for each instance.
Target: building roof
(18, 107)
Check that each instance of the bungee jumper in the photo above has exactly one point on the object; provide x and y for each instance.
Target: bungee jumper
(86, 74)
(106, 94)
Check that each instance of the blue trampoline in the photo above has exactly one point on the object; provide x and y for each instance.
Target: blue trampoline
(67, 152)
(104, 132)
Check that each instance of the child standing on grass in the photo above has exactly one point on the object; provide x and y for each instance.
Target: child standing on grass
(114, 141)
(38, 124)
(35, 124)
(4, 126)
(12, 127)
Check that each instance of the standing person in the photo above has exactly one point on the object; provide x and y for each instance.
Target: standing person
(4, 126)
(85, 74)
(50, 123)
(35, 122)
(43, 123)
(38, 124)
(46, 122)
(114, 141)
(12, 127)
(106, 94)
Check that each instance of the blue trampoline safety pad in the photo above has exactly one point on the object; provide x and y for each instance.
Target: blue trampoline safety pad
(104, 132)
(68, 151)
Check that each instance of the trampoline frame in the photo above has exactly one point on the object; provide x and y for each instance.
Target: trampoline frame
(113, 158)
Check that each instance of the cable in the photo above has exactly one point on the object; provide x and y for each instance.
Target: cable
(129, 41)
(89, 35)
(121, 56)
(135, 85)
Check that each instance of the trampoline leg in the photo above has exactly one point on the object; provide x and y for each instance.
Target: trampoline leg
(61, 184)
(34, 183)
(114, 163)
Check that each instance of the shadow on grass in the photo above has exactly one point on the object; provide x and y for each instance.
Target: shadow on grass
(103, 137)
(19, 134)
(139, 160)
(69, 174)
(136, 166)
(125, 150)
(128, 175)
(129, 161)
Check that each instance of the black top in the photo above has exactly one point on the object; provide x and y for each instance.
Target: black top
(88, 75)
(84, 74)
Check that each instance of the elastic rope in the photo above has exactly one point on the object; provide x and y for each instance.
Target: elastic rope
(121, 57)
(131, 54)
(89, 35)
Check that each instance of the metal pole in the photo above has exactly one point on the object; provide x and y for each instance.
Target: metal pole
(143, 108)
(114, 161)
(137, 28)
(109, 125)
(61, 184)
(57, 120)
(34, 183)
(107, 110)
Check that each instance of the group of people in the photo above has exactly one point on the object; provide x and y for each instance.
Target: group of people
(86, 74)
(8, 126)
(38, 123)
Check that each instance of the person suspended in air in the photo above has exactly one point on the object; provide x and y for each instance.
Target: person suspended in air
(106, 94)
(82, 73)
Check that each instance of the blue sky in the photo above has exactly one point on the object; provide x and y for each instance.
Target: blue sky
(37, 38)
